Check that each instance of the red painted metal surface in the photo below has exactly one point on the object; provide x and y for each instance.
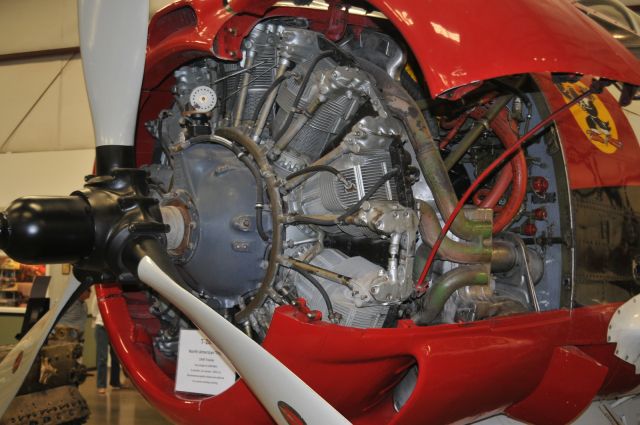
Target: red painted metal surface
(591, 161)
(456, 42)
(466, 370)
(567, 388)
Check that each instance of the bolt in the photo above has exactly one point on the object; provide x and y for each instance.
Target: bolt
(539, 185)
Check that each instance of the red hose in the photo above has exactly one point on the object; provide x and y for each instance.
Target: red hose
(515, 171)
(488, 198)
(420, 286)
(454, 126)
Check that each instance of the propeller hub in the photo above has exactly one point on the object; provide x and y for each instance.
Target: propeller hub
(38, 229)
(92, 228)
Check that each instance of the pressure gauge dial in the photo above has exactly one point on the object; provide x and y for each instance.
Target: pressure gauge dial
(203, 99)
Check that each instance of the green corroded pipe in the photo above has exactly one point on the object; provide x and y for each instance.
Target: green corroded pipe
(446, 285)
(472, 135)
(427, 153)
(501, 254)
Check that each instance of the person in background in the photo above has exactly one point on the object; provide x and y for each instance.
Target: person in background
(103, 347)
(76, 315)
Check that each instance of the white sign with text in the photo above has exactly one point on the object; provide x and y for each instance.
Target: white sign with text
(202, 369)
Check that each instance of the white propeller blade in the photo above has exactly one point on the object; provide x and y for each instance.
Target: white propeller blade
(113, 41)
(15, 366)
(271, 382)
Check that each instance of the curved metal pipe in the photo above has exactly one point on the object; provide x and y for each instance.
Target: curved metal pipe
(472, 135)
(427, 153)
(514, 173)
(446, 285)
(500, 253)
(328, 158)
(244, 88)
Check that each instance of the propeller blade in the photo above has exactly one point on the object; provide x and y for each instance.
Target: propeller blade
(15, 366)
(285, 396)
(113, 40)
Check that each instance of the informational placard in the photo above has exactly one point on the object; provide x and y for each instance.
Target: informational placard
(202, 369)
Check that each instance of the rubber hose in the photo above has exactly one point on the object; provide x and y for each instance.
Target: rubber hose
(518, 174)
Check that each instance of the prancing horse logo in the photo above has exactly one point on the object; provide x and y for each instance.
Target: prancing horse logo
(592, 117)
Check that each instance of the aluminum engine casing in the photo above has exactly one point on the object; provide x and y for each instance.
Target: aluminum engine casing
(301, 46)
(222, 190)
(342, 298)
(324, 194)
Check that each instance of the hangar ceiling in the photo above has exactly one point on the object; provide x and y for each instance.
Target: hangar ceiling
(45, 104)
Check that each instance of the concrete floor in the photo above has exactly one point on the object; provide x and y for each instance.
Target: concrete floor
(118, 407)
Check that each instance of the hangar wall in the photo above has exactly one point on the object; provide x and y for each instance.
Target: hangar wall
(46, 134)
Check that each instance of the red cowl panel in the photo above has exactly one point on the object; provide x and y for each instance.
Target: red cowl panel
(456, 42)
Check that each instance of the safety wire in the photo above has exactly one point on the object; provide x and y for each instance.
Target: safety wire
(422, 284)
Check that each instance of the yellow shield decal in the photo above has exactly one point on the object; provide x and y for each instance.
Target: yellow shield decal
(592, 117)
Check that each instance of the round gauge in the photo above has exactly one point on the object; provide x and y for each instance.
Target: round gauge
(203, 99)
